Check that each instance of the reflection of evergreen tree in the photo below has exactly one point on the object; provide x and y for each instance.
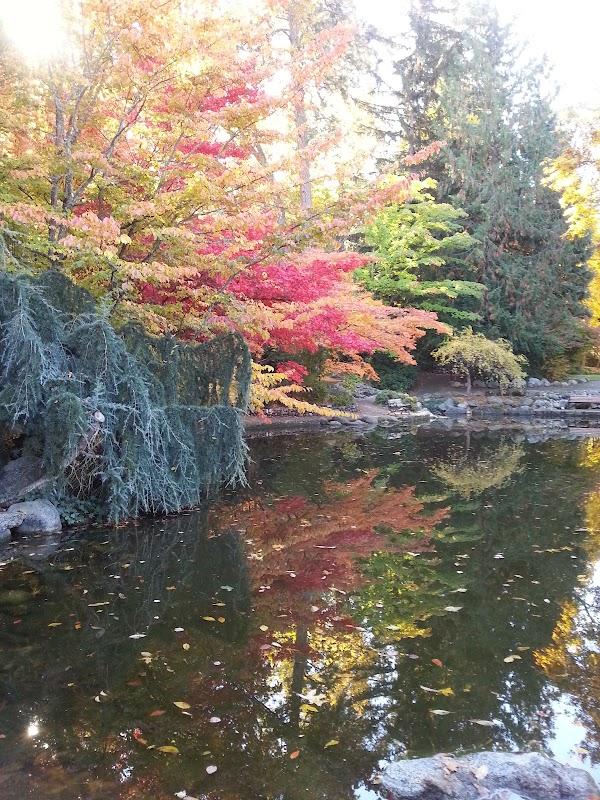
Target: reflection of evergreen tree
(311, 608)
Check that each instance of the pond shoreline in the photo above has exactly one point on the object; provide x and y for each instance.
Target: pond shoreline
(370, 415)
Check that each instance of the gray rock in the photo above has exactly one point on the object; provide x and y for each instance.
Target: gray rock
(534, 382)
(447, 405)
(386, 422)
(509, 776)
(334, 423)
(39, 516)
(370, 419)
(365, 390)
(4, 535)
(11, 518)
(522, 410)
(397, 404)
(544, 382)
(421, 414)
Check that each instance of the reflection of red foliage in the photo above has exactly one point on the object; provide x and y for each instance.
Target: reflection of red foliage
(307, 547)
(291, 505)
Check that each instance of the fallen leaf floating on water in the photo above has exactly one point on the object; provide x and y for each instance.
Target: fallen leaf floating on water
(264, 628)
(453, 608)
(54, 624)
(440, 712)
(185, 646)
(511, 658)
(209, 619)
(211, 769)
(168, 748)
(181, 704)
(446, 692)
(485, 723)
(436, 662)
(294, 755)
(214, 720)
(331, 743)
(157, 712)
(138, 636)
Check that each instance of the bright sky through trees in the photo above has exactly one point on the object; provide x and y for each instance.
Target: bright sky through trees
(565, 32)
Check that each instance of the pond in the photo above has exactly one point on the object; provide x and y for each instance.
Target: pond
(364, 599)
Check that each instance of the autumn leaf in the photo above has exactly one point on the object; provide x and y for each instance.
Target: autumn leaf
(294, 755)
(181, 704)
(331, 743)
(168, 748)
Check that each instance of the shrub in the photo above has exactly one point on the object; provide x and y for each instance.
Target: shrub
(392, 374)
(470, 355)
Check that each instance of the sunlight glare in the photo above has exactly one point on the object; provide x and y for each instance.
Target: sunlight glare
(33, 730)
(35, 27)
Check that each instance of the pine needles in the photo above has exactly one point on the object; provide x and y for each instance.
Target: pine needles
(135, 423)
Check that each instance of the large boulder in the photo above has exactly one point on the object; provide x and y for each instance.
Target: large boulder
(39, 516)
(501, 776)
(451, 408)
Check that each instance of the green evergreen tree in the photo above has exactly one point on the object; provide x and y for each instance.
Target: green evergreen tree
(471, 89)
(421, 248)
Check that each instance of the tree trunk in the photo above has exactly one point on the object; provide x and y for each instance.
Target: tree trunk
(300, 117)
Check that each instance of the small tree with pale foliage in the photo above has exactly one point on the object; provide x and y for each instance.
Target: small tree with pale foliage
(470, 355)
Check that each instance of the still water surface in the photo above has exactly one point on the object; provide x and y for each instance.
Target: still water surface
(364, 599)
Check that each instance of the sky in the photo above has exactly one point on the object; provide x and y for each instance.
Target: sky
(567, 32)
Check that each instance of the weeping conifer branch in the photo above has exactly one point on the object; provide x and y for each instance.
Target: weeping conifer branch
(139, 424)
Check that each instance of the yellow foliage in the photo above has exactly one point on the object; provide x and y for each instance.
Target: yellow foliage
(271, 388)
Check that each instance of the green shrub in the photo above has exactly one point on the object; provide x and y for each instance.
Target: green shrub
(393, 374)
(470, 355)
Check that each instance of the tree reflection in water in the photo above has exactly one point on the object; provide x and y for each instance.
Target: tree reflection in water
(354, 588)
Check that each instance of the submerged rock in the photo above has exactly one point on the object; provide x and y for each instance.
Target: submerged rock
(496, 776)
(39, 516)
